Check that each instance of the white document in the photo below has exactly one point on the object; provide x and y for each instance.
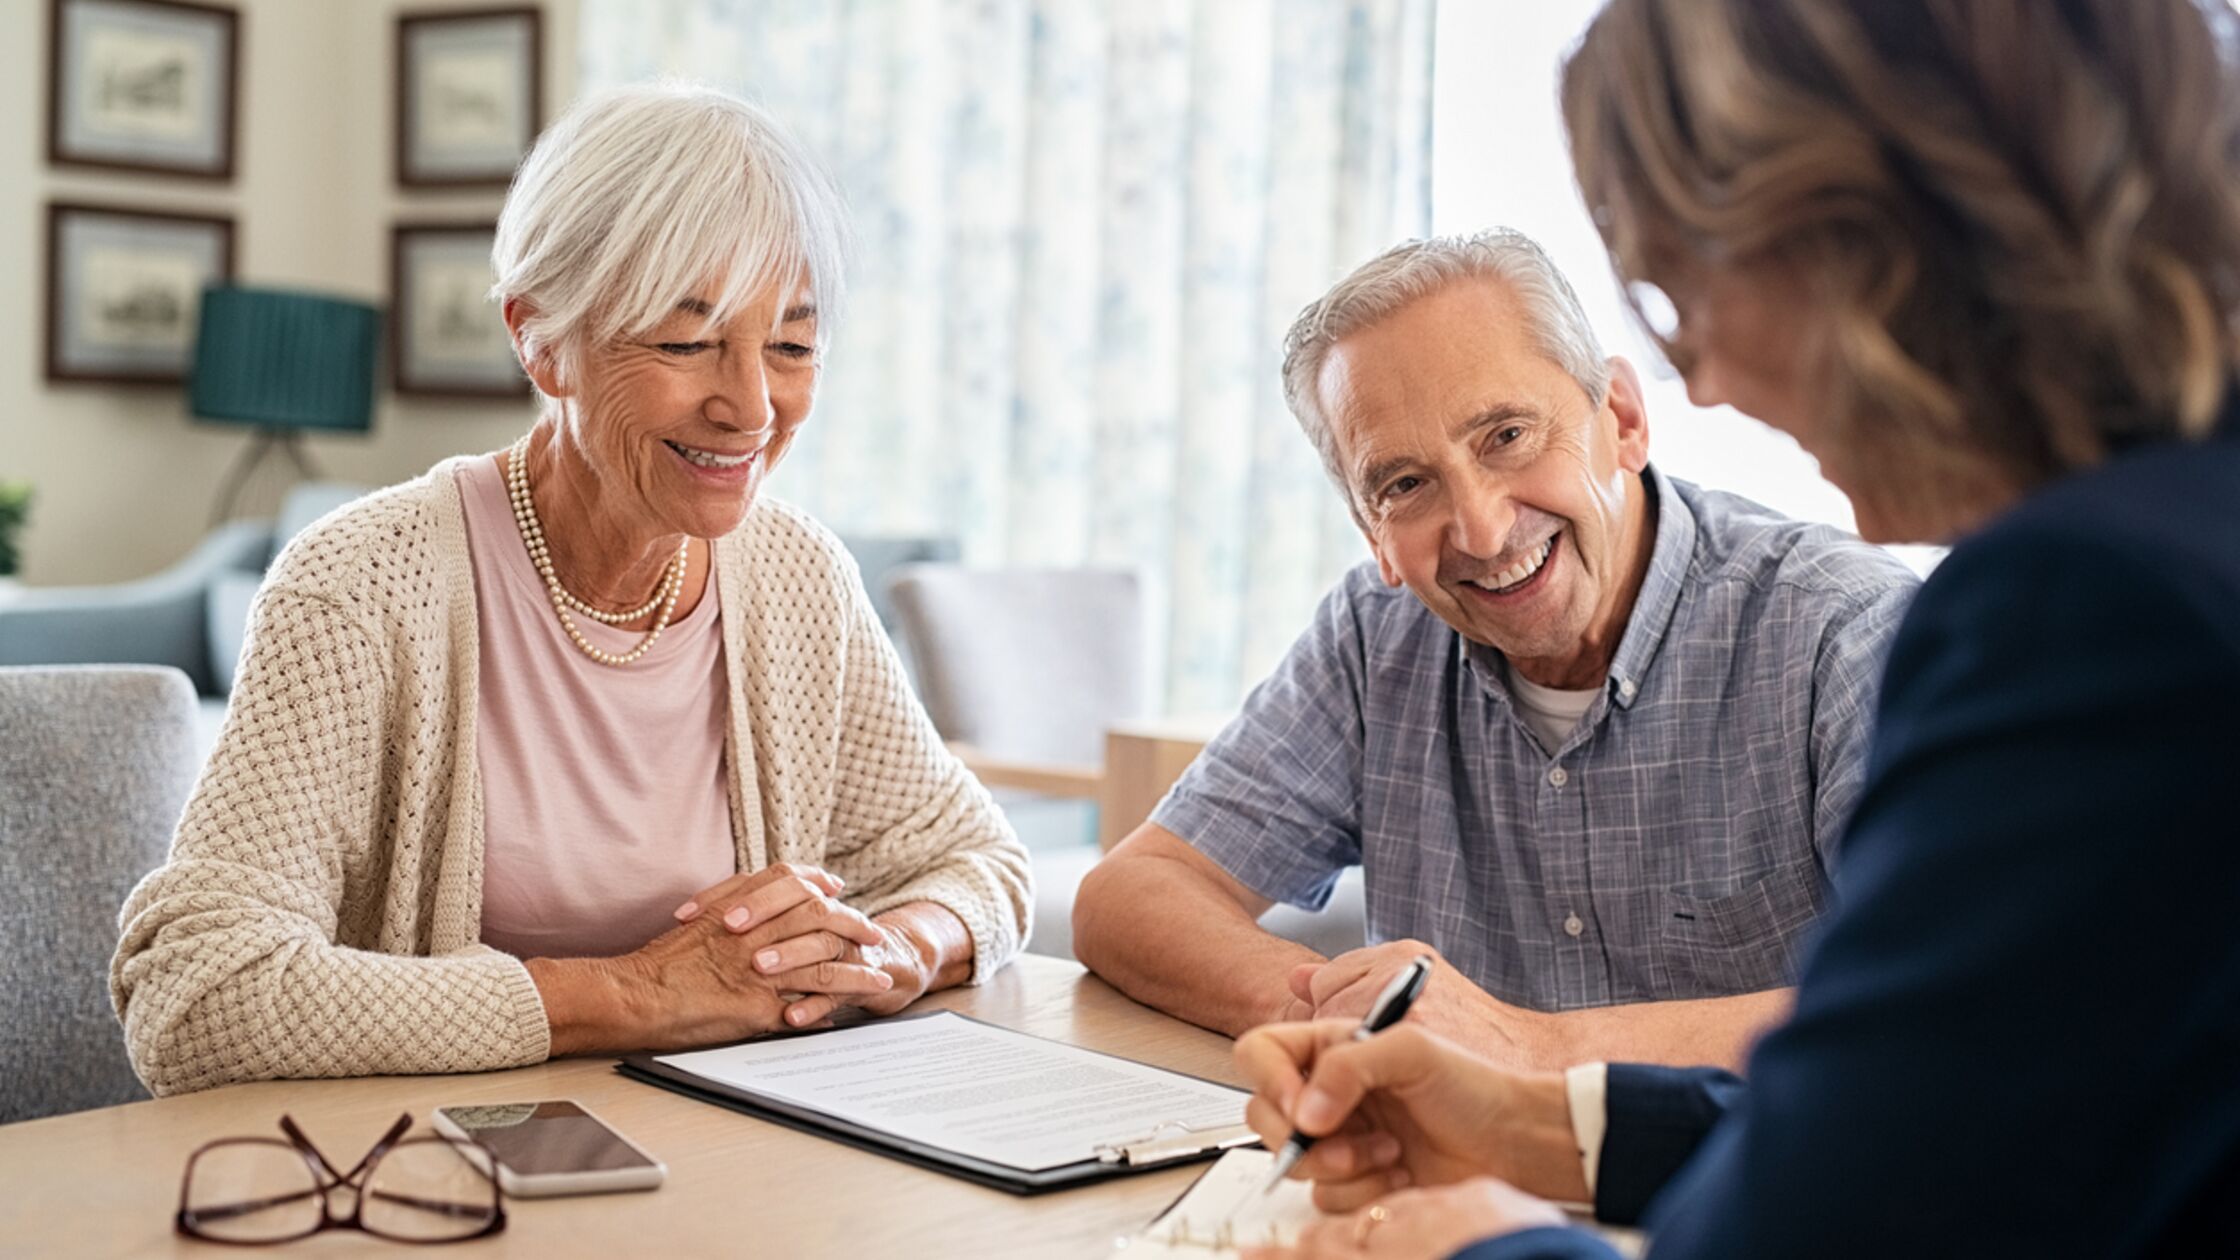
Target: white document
(949, 1082)
(1225, 1210)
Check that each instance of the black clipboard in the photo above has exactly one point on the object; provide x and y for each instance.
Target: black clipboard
(1151, 1153)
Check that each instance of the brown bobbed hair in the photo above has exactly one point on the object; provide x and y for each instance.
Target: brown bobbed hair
(2017, 221)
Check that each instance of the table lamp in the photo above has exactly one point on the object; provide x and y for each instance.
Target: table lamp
(283, 362)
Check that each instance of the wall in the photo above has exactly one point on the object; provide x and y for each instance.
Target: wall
(125, 480)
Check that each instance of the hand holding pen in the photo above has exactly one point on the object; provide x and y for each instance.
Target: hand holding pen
(1389, 1008)
(1403, 1107)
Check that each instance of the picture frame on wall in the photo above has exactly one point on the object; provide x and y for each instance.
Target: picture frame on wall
(470, 95)
(124, 290)
(446, 337)
(144, 85)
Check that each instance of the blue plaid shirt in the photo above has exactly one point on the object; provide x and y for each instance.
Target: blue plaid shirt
(1677, 843)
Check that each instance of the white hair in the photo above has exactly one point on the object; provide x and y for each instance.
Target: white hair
(1415, 269)
(639, 198)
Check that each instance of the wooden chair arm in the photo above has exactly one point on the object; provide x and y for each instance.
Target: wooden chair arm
(1049, 779)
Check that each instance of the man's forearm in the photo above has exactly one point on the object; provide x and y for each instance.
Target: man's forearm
(1167, 941)
(1716, 1032)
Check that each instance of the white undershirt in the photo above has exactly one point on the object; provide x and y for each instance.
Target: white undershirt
(1586, 1087)
(1550, 713)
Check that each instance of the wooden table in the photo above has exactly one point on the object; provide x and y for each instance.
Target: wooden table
(105, 1183)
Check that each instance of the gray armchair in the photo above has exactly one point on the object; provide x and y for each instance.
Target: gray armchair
(1024, 672)
(1025, 666)
(878, 558)
(94, 769)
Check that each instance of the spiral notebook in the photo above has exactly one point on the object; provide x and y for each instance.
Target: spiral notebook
(944, 1091)
(1227, 1209)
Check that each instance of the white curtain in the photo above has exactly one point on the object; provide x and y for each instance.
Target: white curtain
(1082, 228)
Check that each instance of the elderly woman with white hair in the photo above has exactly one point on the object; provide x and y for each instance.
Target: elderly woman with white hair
(583, 745)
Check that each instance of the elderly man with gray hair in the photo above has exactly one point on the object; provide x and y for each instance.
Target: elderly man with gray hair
(1597, 754)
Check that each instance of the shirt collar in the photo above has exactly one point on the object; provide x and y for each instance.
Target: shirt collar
(1670, 554)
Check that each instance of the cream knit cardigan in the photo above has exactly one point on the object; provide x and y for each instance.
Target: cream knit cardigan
(320, 911)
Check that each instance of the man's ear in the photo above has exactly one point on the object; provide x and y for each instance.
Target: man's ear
(537, 361)
(1632, 411)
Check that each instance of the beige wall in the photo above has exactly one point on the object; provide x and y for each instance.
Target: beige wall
(125, 480)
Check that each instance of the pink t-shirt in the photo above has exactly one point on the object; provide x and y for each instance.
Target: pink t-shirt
(603, 797)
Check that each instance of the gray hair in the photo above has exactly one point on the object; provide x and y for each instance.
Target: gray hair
(1415, 269)
(638, 198)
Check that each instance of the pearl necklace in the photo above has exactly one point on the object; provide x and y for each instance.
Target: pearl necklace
(532, 537)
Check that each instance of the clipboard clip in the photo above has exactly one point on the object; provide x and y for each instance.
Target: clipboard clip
(1173, 1140)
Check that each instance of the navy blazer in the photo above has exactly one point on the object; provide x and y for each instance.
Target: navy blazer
(2019, 1033)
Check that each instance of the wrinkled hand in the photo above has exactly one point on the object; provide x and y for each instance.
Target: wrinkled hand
(1450, 1005)
(1428, 1224)
(1405, 1107)
(817, 951)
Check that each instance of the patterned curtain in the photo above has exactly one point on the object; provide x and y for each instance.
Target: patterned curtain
(1082, 229)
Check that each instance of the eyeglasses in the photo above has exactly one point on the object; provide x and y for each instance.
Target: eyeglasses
(258, 1190)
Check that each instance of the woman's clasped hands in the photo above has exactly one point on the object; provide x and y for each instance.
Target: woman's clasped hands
(1420, 1147)
(771, 949)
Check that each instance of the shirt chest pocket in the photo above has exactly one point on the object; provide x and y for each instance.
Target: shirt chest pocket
(1740, 942)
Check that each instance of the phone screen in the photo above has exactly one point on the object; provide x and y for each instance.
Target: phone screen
(546, 1137)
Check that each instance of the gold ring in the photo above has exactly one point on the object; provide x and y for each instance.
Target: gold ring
(1377, 1215)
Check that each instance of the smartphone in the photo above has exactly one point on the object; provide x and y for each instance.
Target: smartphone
(548, 1148)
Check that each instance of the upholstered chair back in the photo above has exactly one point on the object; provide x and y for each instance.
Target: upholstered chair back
(95, 765)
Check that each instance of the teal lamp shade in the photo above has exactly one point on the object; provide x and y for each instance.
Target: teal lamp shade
(284, 360)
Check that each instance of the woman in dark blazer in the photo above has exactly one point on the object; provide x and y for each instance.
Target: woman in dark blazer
(1982, 259)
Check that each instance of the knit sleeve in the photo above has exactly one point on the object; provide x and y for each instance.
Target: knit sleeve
(910, 823)
(228, 967)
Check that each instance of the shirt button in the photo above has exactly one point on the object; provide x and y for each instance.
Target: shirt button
(1625, 689)
(1573, 925)
(1558, 776)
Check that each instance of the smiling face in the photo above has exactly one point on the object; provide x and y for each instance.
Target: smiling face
(680, 426)
(1489, 484)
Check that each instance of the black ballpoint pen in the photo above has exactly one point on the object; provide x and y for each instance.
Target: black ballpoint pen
(1386, 1011)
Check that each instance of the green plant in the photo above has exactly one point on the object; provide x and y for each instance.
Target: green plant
(15, 506)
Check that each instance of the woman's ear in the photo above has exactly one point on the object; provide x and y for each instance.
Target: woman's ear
(536, 358)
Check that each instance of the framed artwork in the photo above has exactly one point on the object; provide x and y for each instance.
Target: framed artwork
(144, 85)
(446, 337)
(470, 93)
(124, 288)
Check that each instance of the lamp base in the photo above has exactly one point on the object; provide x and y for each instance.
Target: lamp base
(288, 443)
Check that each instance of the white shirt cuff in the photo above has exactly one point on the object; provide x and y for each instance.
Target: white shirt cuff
(1587, 1088)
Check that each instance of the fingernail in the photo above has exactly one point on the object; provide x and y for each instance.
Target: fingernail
(885, 981)
(1399, 1179)
(738, 918)
(767, 959)
(798, 1017)
(1384, 1148)
(687, 910)
(1316, 1108)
